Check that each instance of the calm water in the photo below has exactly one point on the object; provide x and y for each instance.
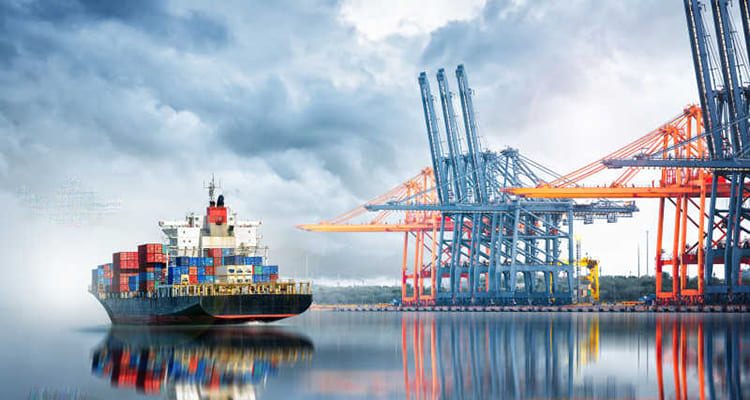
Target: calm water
(327, 355)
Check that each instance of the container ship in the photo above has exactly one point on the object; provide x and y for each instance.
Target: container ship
(211, 270)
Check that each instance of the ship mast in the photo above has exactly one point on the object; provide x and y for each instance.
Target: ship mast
(212, 186)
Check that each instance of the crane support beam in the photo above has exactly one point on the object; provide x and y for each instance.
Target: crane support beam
(656, 192)
(451, 131)
(433, 135)
(708, 94)
(472, 141)
(724, 165)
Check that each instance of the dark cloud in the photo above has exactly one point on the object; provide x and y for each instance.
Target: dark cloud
(143, 100)
(192, 31)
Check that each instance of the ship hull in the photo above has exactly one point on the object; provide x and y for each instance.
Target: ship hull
(205, 310)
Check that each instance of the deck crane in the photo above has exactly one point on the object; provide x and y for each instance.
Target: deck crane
(724, 101)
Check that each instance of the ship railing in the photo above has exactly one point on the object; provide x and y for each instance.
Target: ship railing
(213, 289)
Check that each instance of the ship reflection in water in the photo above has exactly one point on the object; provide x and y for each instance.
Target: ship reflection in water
(556, 356)
(426, 356)
(197, 362)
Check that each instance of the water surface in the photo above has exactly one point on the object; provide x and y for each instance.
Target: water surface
(330, 355)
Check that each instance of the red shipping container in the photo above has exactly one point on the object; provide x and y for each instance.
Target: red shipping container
(210, 270)
(150, 258)
(150, 248)
(124, 256)
(274, 277)
(124, 264)
(217, 260)
(193, 279)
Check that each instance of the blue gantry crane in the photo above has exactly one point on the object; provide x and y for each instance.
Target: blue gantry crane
(721, 72)
(495, 247)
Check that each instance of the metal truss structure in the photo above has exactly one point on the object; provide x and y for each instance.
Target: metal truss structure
(723, 80)
(494, 247)
(682, 194)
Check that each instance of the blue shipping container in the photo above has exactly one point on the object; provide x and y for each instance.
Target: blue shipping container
(208, 261)
(227, 252)
(229, 260)
(194, 261)
(271, 269)
(201, 271)
(253, 260)
(183, 261)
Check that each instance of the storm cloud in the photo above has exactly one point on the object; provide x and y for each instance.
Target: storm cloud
(304, 110)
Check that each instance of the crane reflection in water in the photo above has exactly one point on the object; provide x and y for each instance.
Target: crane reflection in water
(557, 356)
(197, 362)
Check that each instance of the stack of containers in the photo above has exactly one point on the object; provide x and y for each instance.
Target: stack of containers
(95, 279)
(206, 270)
(232, 270)
(216, 255)
(124, 267)
(272, 271)
(240, 269)
(193, 270)
(105, 273)
(151, 259)
(179, 273)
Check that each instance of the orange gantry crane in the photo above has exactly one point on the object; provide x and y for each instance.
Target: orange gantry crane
(684, 189)
(421, 226)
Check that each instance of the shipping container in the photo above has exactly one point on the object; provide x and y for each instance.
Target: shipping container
(227, 252)
(95, 278)
(253, 260)
(233, 260)
(150, 248)
(271, 269)
(124, 256)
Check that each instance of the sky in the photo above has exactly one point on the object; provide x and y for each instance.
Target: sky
(113, 115)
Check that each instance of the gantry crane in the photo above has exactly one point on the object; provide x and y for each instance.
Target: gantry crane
(723, 90)
(474, 242)
(684, 189)
(494, 247)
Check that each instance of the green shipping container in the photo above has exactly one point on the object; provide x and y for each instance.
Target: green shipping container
(257, 270)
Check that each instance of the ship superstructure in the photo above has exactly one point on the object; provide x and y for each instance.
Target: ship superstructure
(219, 228)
